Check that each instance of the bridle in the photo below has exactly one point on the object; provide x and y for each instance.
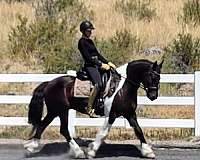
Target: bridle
(134, 83)
(139, 84)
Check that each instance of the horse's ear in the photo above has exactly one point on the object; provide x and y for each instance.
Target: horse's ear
(155, 65)
(161, 63)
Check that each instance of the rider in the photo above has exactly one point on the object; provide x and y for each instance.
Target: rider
(94, 62)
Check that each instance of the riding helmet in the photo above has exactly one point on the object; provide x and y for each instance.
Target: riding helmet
(86, 25)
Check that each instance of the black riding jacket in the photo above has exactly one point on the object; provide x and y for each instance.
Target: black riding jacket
(90, 53)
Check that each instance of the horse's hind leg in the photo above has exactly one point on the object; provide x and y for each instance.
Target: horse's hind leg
(146, 150)
(33, 143)
(94, 146)
(44, 123)
(75, 150)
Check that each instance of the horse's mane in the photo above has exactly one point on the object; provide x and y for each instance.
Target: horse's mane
(140, 61)
(134, 65)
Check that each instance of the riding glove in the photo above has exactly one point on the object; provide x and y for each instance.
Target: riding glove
(105, 66)
(112, 65)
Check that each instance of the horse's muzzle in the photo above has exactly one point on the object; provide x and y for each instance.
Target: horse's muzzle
(152, 95)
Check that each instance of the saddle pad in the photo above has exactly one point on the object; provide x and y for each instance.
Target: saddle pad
(82, 88)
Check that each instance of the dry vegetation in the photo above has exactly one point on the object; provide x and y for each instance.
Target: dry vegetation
(158, 32)
(8, 19)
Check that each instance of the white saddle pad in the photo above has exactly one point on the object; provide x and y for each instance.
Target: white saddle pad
(82, 88)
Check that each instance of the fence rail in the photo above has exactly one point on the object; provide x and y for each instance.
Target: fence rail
(74, 121)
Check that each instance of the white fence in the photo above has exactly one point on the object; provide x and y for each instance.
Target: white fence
(74, 121)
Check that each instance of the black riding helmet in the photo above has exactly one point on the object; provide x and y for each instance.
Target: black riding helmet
(86, 25)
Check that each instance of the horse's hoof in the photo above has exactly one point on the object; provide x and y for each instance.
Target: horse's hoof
(31, 143)
(91, 154)
(31, 146)
(152, 156)
(149, 155)
(147, 152)
(27, 153)
(77, 154)
(81, 155)
(29, 149)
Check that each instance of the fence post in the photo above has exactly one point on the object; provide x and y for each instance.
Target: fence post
(71, 73)
(197, 103)
(72, 113)
(71, 125)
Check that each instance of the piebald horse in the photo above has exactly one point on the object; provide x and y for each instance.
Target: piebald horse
(58, 95)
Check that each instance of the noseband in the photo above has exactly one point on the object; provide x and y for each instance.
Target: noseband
(153, 87)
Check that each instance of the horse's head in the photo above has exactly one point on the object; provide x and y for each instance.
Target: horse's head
(151, 80)
(147, 73)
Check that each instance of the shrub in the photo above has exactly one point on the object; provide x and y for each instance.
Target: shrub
(52, 36)
(120, 47)
(136, 8)
(191, 12)
(14, 1)
(182, 54)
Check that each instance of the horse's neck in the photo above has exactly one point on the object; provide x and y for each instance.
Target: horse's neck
(133, 80)
(136, 72)
(129, 88)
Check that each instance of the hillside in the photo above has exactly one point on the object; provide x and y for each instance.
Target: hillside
(157, 33)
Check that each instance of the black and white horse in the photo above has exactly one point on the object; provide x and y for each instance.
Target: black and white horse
(58, 96)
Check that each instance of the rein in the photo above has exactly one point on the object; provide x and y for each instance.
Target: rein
(134, 83)
(130, 81)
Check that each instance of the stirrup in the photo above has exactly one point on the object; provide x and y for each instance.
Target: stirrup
(100, 103)
(92, 114)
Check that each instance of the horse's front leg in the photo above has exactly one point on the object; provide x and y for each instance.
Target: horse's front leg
(94, 146)
(75, 151)
(146, 149)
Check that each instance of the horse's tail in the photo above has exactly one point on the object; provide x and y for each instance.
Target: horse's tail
(36, 105)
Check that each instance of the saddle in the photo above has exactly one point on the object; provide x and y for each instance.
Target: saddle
(83, 86)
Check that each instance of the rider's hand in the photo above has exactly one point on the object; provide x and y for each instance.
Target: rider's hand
(105, 66)
(112, 65)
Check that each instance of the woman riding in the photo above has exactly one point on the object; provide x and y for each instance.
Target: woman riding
(94, 62)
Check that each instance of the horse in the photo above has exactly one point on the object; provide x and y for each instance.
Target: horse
(58, 97)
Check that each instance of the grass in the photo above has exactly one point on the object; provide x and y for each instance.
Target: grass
(115, 133)
(107, 21)
(158, 32)
(8, 18)
(17, 88)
